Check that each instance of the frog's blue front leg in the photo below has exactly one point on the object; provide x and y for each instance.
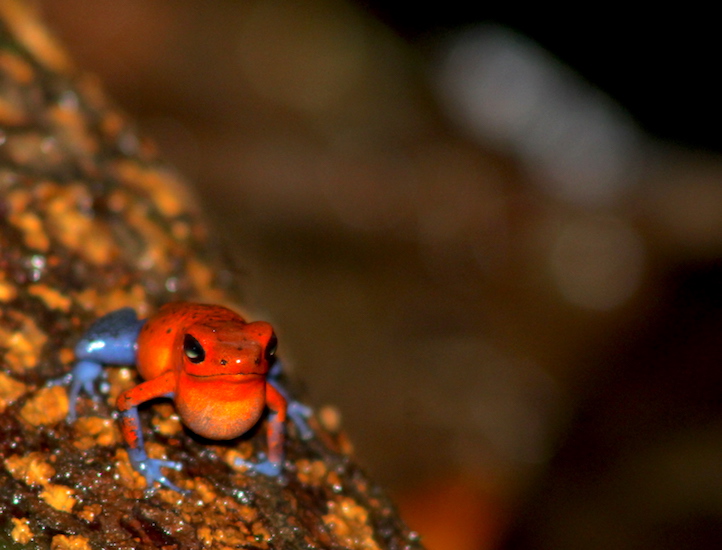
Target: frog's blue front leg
(149, 467)
(128, 402)
(111, 340)
(275, 435)
(268, 466)
(296, 411)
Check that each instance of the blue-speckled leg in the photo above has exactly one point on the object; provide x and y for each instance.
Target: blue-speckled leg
(296, 411)
(127, 404)
(111, 340)
(266, 466)
(149, 467)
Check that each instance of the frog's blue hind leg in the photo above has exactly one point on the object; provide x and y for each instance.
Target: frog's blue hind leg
(295, 410)
(111, 340)
(84, 375)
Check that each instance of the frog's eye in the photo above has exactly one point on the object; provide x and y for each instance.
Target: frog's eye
(271, 348)
(193, 349)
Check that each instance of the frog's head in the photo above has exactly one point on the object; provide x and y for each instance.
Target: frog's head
(227, 348)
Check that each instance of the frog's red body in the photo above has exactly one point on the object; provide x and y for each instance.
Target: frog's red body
(208, 359)
(224, 395)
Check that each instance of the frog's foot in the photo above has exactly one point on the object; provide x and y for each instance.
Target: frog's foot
(64, 380)
(299, 414)
(265, 467)
(151, 470)
(82, 377)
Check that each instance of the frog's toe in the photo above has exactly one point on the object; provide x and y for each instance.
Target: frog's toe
(164, 481)
(151, 470)
(265, 467)
(174, 464)
(64, 380)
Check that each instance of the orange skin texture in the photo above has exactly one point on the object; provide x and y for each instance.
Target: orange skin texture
(220, 397)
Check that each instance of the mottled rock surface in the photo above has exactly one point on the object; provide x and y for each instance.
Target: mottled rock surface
(91, 220)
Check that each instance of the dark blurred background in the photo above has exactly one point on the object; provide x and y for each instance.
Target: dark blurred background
(491, 240)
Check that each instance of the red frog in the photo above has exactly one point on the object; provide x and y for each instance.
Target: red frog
(219, 370)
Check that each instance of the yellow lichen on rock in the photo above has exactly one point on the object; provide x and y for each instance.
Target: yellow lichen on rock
(66, 355)
(158, 252)
(8, 291)
(25, 26)
(21, 532)
(68, 221)
(166, 420)
(31, 226)
(90, 512)
(94, 430)
(51, 297)
(37, 150)
(47, 406)
(16, 67)
(12, 111)
(10, 390)
(34, 470)
(166, 190)
(120, 379)
(205, 535)
(348, 521)
(128, 475)
(23, 340)
(205, 491)
(135, 297)
(234, 534)
(59, 497)
(173, 499)
(231, 456)
(31, 468)
(330, 418)
(311, 472)
(72, 542)
(226, 523)
(72, 128)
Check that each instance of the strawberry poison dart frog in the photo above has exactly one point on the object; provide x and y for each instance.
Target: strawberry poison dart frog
(219, 370)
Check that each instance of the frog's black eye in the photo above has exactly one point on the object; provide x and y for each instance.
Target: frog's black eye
(193, 349)
(271, 347)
